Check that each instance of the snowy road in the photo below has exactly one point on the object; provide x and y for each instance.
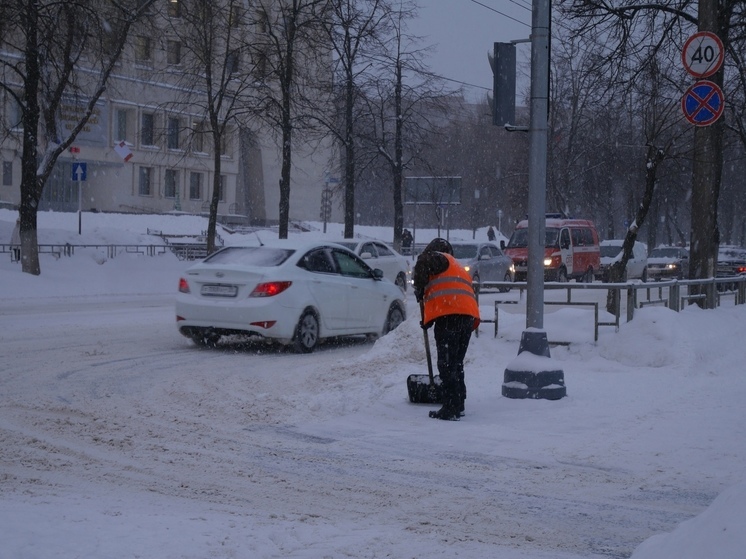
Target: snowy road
(314, 454)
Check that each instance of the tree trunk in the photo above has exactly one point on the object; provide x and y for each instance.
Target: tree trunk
(616, 272)
(707, 173)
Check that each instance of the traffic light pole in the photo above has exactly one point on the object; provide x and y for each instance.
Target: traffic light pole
(523, 379)
(537, 169)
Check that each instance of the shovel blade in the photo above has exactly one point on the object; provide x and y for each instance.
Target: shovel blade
(422, 391)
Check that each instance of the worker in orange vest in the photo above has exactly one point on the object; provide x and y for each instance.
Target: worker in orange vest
(445, 287)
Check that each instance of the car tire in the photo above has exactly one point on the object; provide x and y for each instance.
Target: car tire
(306, 333)
(393, 319)
(401, 282)
(562, 275)
(506, 278)
(588, 277)
(644, 276)
(477, 281)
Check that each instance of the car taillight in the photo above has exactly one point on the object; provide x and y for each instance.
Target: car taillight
(183, 286)
(270, 289)
(741, 270)
(264, 323)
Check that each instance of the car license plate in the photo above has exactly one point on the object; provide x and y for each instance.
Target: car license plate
(218, 290)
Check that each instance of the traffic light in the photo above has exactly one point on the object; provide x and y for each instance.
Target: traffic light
(503, 89)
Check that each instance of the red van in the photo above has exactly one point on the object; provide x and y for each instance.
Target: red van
(571, 250)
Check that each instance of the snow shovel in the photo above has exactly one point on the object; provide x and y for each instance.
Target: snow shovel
(425, 389)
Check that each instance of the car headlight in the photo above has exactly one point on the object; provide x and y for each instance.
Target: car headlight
(467, 267)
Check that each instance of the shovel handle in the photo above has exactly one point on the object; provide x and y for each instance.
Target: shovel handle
(427, 344)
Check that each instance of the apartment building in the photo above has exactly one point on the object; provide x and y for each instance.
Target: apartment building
(146, 150)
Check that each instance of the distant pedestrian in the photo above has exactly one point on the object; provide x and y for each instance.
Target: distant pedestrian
(490, 234)
(15, 242)
(406, 239)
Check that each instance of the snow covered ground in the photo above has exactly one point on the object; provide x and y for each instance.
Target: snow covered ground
(120, 438)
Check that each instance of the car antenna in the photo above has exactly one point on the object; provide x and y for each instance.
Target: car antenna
(261, 244)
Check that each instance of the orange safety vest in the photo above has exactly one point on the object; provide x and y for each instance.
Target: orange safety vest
(450, 292)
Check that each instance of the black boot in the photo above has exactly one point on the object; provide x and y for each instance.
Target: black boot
(446, 413)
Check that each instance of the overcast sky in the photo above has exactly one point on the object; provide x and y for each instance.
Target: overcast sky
(463, 32)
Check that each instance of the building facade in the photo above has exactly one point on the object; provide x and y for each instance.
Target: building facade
(145, 150)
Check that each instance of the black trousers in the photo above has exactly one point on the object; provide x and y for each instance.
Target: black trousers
(452, 335)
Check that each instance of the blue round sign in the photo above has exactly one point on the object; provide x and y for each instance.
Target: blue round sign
(703, 103)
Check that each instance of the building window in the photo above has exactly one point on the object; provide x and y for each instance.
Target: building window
(174, 8)
(171, 183)
(143, 48)
(123, 126)
(232, 62)
(173, 52)
(15, 114)
(235, 16)
(145, 187)
(7, 173)
(225, 142)
(174, 129)
(223, 186)
(147, 129)
(198, 136)
(195, 186)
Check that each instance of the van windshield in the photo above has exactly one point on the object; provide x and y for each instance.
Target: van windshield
(519, 238)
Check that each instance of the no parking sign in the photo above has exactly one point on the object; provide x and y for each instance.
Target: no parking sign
(702, 56)
(703, 103)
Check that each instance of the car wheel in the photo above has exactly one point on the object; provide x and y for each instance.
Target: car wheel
(562, 275)
(306, 333)
(588, 278)
(393, 319)
(205, 338)
(506, 278)
(401, 282)
(476, 280)
(645, 275)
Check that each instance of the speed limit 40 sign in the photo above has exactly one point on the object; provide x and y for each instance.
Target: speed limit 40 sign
(702, 54)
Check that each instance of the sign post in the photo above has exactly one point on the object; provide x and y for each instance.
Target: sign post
(80, 172)
(702, 56)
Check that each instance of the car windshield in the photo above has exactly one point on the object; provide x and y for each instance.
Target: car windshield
(463, 252)
(519, 238)
(263, 257)
(610, 251)
(666, 253)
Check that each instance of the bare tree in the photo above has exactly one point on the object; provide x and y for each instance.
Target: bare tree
(353, 30)
(216, 78)
(405, 105)
(287, 61)
(66, 52)
(621, 23)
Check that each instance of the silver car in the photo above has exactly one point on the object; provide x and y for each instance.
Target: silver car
(485, 262)
(378, 254)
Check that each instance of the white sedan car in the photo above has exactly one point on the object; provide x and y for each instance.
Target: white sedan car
(378, 254)
(611, 252)
(295, 293)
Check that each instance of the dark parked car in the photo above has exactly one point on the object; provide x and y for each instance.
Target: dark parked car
(731, 262)
(668, 262)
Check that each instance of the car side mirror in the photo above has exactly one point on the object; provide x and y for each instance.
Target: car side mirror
(377, 272)
(366, 256)
(502, 245)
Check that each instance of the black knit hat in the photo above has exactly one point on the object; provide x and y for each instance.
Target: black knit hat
(439, 245)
